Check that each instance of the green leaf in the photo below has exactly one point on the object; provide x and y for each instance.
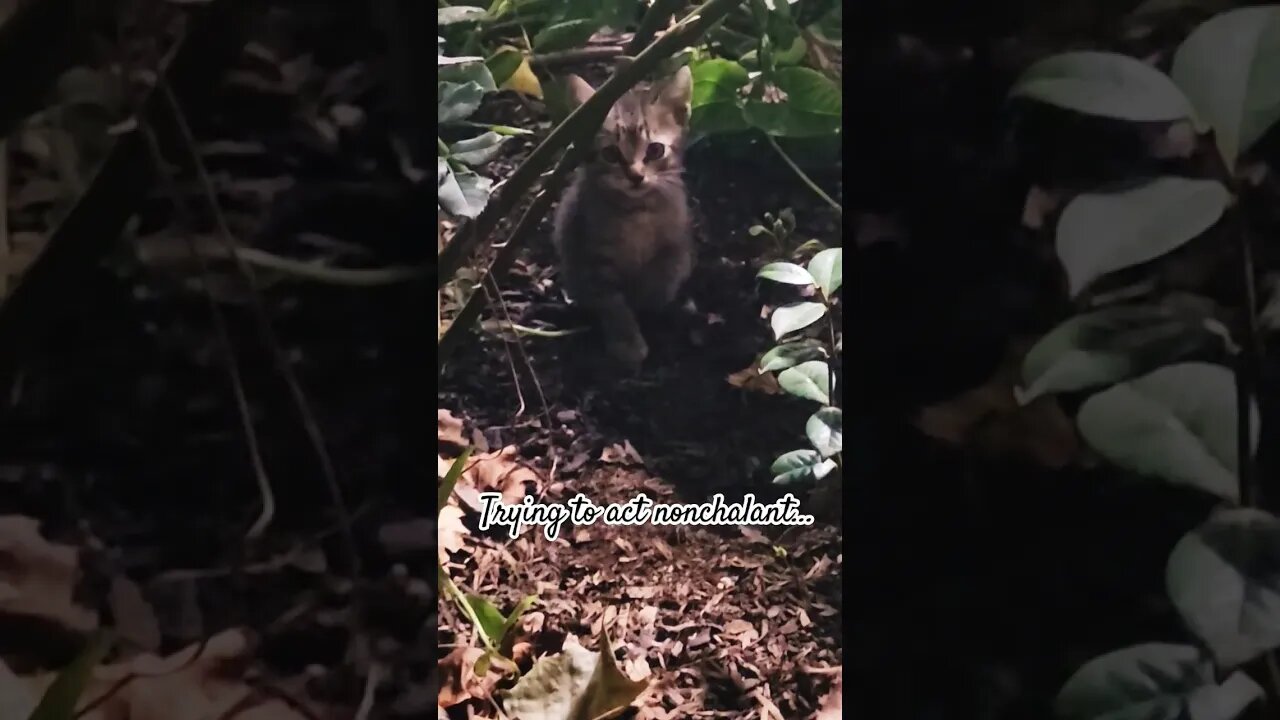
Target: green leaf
(825, 430)
(451, 478)
(61, 698)
(827, 268)
(716, 80)
(456, 101)
(516, 613)
(1153, 681)
(790, 354)
(1115, 343)
(1230, 68)
(1101, 233)
(785, 272)
(1106, 84)
(812, 105)
(1223, 579)
(458, 14)
(800, 465)
(715, 100)
(461, 193)
(810, 380)
(790, 318)
(564, 35)
(1177, 423)
(477, 150)
(472, 71)
(491, 619)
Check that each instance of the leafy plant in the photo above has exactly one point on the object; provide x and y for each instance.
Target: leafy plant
(1151, 406)
(802, 364)
(493, 627)
(461, 86)
(768, 87)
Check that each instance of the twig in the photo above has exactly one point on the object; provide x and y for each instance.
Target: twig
(539, 332)
(265, 491)
(506, 346)
(507, 253)
(655, 18)
(307, 270)
(524, 355)
(585, 117)
(595, 53)
(269, 338)
(371, 684)
(803, 176)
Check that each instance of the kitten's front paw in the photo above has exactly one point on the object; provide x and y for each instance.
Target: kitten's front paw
(629, 352)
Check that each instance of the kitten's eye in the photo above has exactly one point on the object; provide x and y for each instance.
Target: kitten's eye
(611, 154)
(654, 151)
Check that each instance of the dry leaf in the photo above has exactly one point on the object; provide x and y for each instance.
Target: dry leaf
(750, 378)
(832, 707)
(460, 680)
(576, 684)
(196, 683)
(504, 472)
(450, 531)
(449, 429)
(623, 453)
(134, 618)
(38, 578)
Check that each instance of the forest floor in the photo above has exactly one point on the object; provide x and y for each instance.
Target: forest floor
(730, 622)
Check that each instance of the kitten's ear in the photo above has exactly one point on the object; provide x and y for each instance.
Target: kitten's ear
(676, 92)
(579, 90)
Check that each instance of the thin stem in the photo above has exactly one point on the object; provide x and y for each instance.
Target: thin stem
(302, 406)
(831, 370)
(561, 58)
(507, 253)
(266, 493)
(539, 332)
(804, 177)
(1248, 367)
(580, 122)
(658, 14)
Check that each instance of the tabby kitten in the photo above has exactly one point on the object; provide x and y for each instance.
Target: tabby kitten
(622, 229)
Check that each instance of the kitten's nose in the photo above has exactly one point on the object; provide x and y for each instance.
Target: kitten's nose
(636, 175)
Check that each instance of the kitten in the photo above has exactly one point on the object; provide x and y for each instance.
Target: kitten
(622, 229)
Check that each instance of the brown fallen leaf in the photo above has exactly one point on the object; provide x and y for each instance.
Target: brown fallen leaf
(460, 682)
(196, 683)
(449, 429)
(504, 472)
(623, 453)
(38, 578)
(450, 531)
(135, 619)
(750, 378)
(577, 684)
(832, 707)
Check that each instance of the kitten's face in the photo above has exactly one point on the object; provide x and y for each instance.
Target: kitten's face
(638, 149)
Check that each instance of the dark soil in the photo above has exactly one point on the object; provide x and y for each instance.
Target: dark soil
(696, 435)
